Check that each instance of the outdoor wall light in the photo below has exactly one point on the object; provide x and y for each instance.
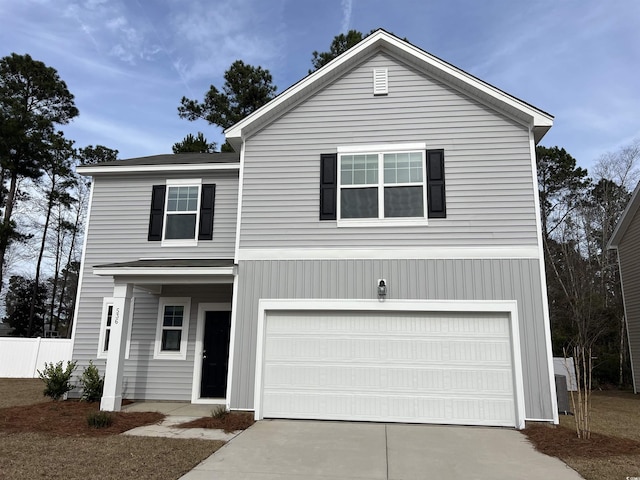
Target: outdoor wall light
(382, 287)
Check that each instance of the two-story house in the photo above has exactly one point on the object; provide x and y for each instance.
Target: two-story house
(372, 252)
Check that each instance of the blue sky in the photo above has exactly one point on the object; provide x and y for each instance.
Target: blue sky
(128, 63)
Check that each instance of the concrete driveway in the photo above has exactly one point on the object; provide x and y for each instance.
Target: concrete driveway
(291, 449)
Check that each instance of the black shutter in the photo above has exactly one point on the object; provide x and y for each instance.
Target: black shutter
(437, 207)
(207, 201)
(328, 185)
(156, 218)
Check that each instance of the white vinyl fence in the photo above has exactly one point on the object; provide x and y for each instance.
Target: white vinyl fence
(23, 357)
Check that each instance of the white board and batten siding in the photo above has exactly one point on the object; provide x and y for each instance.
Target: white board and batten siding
(23, 357)
(488, 165)
(452, 368)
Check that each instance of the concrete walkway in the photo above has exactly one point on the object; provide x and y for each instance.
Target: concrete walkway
(176, 413)
(287, 449)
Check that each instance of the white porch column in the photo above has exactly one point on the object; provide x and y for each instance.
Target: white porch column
(112, 393)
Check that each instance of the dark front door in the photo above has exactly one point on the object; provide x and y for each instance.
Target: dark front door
(215, 354)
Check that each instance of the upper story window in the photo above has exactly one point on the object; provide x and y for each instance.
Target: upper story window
(181, 216)
(382, 185)
(182, 212)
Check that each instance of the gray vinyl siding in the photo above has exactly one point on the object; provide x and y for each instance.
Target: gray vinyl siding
(488, 167)
(144, 377)
(118, 228)
(629, 253)
(407, 279)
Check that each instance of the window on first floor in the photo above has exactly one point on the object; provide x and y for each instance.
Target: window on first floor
(173, 328)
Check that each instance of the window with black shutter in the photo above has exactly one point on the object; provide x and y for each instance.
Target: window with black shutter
(359, 186)
(181, 212)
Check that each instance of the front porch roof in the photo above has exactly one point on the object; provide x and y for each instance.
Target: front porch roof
(175, 270)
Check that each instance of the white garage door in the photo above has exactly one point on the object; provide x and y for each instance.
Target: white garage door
(444, 367)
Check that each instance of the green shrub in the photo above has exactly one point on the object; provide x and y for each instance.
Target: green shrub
(99, 419)
(92, 383)
(219, 412)
(57, 381)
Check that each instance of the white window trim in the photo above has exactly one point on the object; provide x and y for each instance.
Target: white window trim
(185, 302)
(183, 242)
(380, 150)
(106, 302)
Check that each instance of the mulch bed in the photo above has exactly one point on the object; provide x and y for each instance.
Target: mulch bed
(229, 422)
(561, 441)
(69, 418)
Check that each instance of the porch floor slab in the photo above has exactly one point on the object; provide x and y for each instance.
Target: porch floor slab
(173, 408)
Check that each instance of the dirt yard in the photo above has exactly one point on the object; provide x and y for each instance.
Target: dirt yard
(44, 439)
(613, 452)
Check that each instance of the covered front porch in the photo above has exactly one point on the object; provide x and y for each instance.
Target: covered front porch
(167, 333)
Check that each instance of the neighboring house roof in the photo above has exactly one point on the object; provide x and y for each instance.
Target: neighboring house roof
(422, 60)
(625, 219)
(170, 161)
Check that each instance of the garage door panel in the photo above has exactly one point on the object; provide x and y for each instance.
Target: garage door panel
(382, 350)
(426, 409)
(398, 366)
(446, 323)
(374, 377)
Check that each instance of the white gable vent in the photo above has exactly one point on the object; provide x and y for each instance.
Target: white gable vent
(380, 81)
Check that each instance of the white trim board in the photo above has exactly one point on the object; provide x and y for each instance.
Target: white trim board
(178, 168)
(164, 272)
(502, 306)
(427, 253)
(543, 283)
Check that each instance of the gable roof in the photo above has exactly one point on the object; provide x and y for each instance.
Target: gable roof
(540, 121)
(625, 219)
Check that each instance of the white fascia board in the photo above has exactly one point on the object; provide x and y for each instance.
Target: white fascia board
(625, 219)
(163, 272)
(427, 253)
(538, 117)
(178, 168)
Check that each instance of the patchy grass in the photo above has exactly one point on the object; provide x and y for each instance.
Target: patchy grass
(40, 455)
(45, 439)
(227, 421)
(613, 452)
(21, 391)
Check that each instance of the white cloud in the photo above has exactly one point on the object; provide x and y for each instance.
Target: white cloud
(210, 39)
(347, 6)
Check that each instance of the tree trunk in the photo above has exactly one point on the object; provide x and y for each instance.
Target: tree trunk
(36, 286)
(74, 235)
(56, 273)
(6, 223)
